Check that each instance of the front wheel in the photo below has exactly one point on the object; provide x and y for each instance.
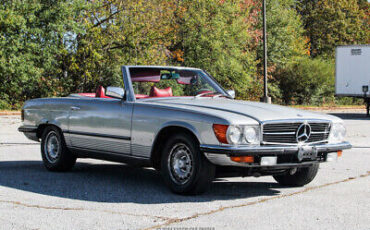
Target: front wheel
(184, 168)
(54, 152)
(301, 177)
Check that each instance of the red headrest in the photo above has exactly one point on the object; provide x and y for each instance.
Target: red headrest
(155, 92)
(100, 91)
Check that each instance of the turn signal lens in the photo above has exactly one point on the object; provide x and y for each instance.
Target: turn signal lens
(243, 159)
(339, 153)
(220, 132)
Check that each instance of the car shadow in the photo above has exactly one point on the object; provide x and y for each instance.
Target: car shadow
(351, 116)
(117, 183)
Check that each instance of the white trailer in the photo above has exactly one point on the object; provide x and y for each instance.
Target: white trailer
(352, 72)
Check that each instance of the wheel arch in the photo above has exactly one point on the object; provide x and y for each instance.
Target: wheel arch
(42, 126)
(164, 133)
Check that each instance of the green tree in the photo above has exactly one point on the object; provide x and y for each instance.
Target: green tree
(330, 23)
(213, 35)
(32, 37)
(116, 33)
(285, 33)
(285, 42)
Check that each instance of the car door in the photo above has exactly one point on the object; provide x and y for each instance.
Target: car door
(101, 124)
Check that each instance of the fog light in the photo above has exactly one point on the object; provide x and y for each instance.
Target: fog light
(243, 159)
(268, 161)
(330, 157)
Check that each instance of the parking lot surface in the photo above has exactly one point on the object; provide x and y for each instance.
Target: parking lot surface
(103, 195)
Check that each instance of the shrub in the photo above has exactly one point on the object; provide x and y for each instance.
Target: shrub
(4, 105)
(306, 81)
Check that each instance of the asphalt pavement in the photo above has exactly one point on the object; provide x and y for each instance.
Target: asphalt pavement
(104, 195)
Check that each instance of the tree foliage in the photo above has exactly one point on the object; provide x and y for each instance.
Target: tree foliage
(33, 36)
(330, 23)
(284, 33)
(285, 42)
(306, 81)
(56, 47)
(213, 35)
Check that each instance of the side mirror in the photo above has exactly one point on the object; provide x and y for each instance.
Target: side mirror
(231, 92)
(115, 92)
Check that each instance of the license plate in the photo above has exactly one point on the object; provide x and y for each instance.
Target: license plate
(307, 152)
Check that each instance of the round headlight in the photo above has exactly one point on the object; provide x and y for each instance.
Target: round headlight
(337, 133)
(234, 134)
(341, 132)
(250, 135)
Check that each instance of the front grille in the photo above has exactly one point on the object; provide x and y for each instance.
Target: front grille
(286, 132)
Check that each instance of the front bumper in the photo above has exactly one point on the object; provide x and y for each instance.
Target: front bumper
(302, 156)
(29, 131)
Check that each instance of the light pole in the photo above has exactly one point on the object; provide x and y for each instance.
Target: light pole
(265, 98)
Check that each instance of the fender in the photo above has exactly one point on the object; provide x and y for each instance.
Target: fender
(179, 124)
(46, 121)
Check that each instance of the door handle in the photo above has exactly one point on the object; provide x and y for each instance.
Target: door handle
(75, 108)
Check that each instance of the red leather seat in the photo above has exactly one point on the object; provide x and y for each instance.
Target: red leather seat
(155, 92)
(100, 92)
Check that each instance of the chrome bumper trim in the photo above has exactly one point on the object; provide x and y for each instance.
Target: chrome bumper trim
(224, 160)
(260, 150)
(220, 155)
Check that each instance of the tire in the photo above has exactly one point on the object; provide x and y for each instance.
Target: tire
(54, 152)
(302, 177)
(184, 168)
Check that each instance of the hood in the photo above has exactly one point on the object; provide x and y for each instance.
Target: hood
(255, 110)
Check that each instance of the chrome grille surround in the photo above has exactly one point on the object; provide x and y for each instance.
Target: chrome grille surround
(283, 132)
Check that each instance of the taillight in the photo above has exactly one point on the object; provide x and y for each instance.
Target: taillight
(22, 115)
(220, 132)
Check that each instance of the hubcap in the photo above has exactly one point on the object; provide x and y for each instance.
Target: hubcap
(52, 147)
(180, 163)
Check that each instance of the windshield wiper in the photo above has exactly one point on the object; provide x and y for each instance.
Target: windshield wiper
(214, 93)
(222, 95)
(203, 94)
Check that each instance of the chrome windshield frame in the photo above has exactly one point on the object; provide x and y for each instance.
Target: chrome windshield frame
(129, 90)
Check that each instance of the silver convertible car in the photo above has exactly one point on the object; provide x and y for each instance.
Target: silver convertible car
(184, 124)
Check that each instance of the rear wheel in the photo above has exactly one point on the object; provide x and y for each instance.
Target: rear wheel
(184, 168)
(54, 152)
(301, 177)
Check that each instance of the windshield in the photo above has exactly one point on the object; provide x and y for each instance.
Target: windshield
(170, 82)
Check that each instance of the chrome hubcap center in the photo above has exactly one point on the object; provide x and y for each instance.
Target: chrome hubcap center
(52, 147)
(180, 163)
